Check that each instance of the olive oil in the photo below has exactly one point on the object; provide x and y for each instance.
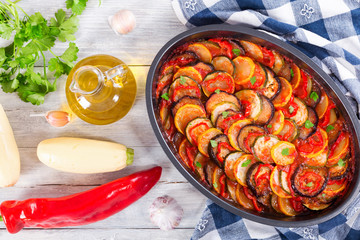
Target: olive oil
(100, 89)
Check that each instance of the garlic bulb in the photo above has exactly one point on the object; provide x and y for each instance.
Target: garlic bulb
(122, 22)
(166, 213)
(57, 118)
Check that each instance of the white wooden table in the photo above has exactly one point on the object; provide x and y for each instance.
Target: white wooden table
(156, 24)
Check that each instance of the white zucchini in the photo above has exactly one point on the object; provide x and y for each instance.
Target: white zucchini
(80, 155)
(9, 153)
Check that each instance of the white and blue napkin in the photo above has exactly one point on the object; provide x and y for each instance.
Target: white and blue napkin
(327, 31)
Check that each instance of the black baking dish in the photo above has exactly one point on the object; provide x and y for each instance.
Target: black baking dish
(303, 62)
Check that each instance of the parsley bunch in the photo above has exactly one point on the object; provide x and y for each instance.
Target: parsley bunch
(33, 35)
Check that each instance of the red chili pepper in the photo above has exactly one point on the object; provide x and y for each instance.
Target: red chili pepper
(253, 199)
(231, 119)
(219, 147)
(181, 61)
(304, 92)
(191, 152)
(264, 175)
(219, 78)
(79, 209)
(225, 46)
(170, 132)
(337, 182)
(196, 126)
(247, 106)
(222, 187)
(250, 135)
(316, 139)
(182, 87)
(296, 204)
(310, 177)
(325, 121)
(260, 78)
(286, 109)
(268, 57)
(337, 142)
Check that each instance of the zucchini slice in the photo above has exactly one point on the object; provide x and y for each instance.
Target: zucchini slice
(286, 207)
(213, 47)
(285, 71)
(231, 188)
(163, 82)
(195, 128)
(317, 161)
(267, 111)
(334, 188)
(247, 136)
(272, 87)
(187, 153)
(253, 50)
(302, 113)
(309, 182)
(284, 181)
(244, 69)
(314, 96)
(285, 94)
(279, 62)
(275, 183)
(314, 204)
(262, 148)
(233, 132)
(184, 82)
(242, 199)
(289, 132)
(209, 172)
(220, 108)
(283, 153)
(241, 166)
(201, 52)
(203, 68)
(223, 63)
(218, 81)
(275, 203)
(217, 98)
(190, 72)
(277, 123)
(183, 101)
(307, 131)
(339, 171)
(251, 102)
(259, 80)
(185, 114)
(216, 184)
(199, 164)
(323, 105)
(183, 91)
(339, 149)
(219, 148)
(229, 164)
(296, 76)
(227, 118)
(204, 140)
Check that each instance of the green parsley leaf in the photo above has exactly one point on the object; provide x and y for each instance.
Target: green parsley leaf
(165, 96)
(246, 163)
(64, 28)
(70, 54)
(308, 124)
(253, 80)
(291, 109)
(77, 6)
(341, 163)
(329, 128)
(5, 31)
(314, 96)
(213, 143)
(269, 126)
(215, 185)
(291, 72)
(182, 80)
(217, 91)
(236, 51)
(225, 114)
(1, 219)
(323, 194)
(198, 164)
(309, 184)
(285, 152)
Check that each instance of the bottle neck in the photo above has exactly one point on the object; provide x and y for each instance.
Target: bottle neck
(87, 80)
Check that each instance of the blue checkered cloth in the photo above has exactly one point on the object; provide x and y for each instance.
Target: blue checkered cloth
(327, 31)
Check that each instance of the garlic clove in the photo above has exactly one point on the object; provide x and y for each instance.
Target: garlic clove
(122, 22)
(57, 118)
(166, 213)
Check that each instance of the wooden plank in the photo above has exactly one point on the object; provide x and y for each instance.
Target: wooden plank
(99, 234)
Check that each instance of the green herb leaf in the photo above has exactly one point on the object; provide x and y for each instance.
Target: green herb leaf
(77, 6)
(225, 114)
(182, 80)
(1, 219)
(308, 124)
(323, 194)
(314, 96)
(198, 164)
(253, 80)
(291, 72)
(165, 96)
(291, 109)
(269, 126)
(329, 128)
(217, 91)
(285, 152)
(246, 163)
(215, 185)
(213, 143)
(236, 51)
(309, 184)
(341, 163)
